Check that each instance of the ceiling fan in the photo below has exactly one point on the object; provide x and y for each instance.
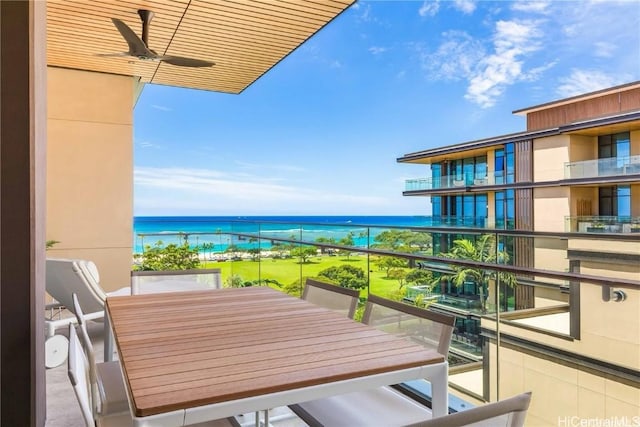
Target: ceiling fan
(139, 48)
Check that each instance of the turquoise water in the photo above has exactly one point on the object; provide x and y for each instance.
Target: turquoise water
(212, 230)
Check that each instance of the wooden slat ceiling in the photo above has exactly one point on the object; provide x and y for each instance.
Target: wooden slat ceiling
(245, 38)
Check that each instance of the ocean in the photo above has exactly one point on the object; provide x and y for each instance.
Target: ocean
(210, 230)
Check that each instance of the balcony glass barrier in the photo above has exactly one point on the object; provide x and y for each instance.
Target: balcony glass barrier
(453, 181)
(614, 166)
(520, 324)
(602, 224)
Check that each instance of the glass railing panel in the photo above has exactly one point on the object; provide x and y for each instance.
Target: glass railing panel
(454, 181)
(613, 166)
(602, 224)
(508, 337)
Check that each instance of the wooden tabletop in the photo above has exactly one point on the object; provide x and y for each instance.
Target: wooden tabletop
(186, 349)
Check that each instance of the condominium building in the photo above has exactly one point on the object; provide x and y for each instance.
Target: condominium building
(565, 196)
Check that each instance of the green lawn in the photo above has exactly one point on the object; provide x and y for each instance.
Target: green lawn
(286, 271)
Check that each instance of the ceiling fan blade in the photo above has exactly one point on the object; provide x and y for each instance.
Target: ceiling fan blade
(136, 45)
(185, 62)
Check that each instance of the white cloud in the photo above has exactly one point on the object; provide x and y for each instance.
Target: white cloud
(270, 167)
(524, 50)
(465, 6)
(455, 58)
(605, 49)
(512, 41)
(535, 74)
(461, 56)
(365, 14)
(161, 107)
(148, 144)
(585, 81)
(531, 6)
(429, 8)
(189, 190)
(376, 50)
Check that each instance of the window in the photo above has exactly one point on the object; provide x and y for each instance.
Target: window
(481, 210)
(469, 170)
(510, 163)
(505, 209)
(469, 209)
(499, 166)
(436, 207)
(615, 145)
(436, 173)
(615, 201)
(481, 167)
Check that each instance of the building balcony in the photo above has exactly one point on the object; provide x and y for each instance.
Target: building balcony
(615, 166)
(567, 331)
(602, 224)
(453, 182)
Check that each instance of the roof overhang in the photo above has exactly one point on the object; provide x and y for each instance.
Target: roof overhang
(574, 99)
(245, 38)
(627, 121)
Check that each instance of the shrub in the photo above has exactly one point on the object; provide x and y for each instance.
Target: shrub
(171, 257)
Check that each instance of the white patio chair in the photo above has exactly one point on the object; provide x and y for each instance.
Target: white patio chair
(333, 297)
(509, 412)
(64, 277)
(108, 392)
(383, 405)
(79, 376)
(80, 380)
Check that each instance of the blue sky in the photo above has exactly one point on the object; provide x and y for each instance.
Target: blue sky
(320, 133)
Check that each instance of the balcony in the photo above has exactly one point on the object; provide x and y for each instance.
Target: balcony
(598, 168)
(453, 182)
(567, 321)
(566, 324)
(602, 224)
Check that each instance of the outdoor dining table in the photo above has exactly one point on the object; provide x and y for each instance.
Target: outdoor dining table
(189, 357)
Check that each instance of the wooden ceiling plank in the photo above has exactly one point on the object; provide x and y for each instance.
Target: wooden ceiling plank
(228, 51)
(253, 18)
(166, 72)
(274, 10)
(220, 29)
(236, 77)
(331, 8)
(327, 12)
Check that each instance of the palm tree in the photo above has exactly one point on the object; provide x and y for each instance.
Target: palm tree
(483, 250)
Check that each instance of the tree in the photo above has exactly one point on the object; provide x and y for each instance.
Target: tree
(329, 240)
(399, 274)
(347, 241)
(304, 253)
(482, 250)
(346, 276)
(207, 247)
(387, 263)
(419, 277)
(255, 253)
(170, 257)
(232, 249)
(403, 241)
(280, 248)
